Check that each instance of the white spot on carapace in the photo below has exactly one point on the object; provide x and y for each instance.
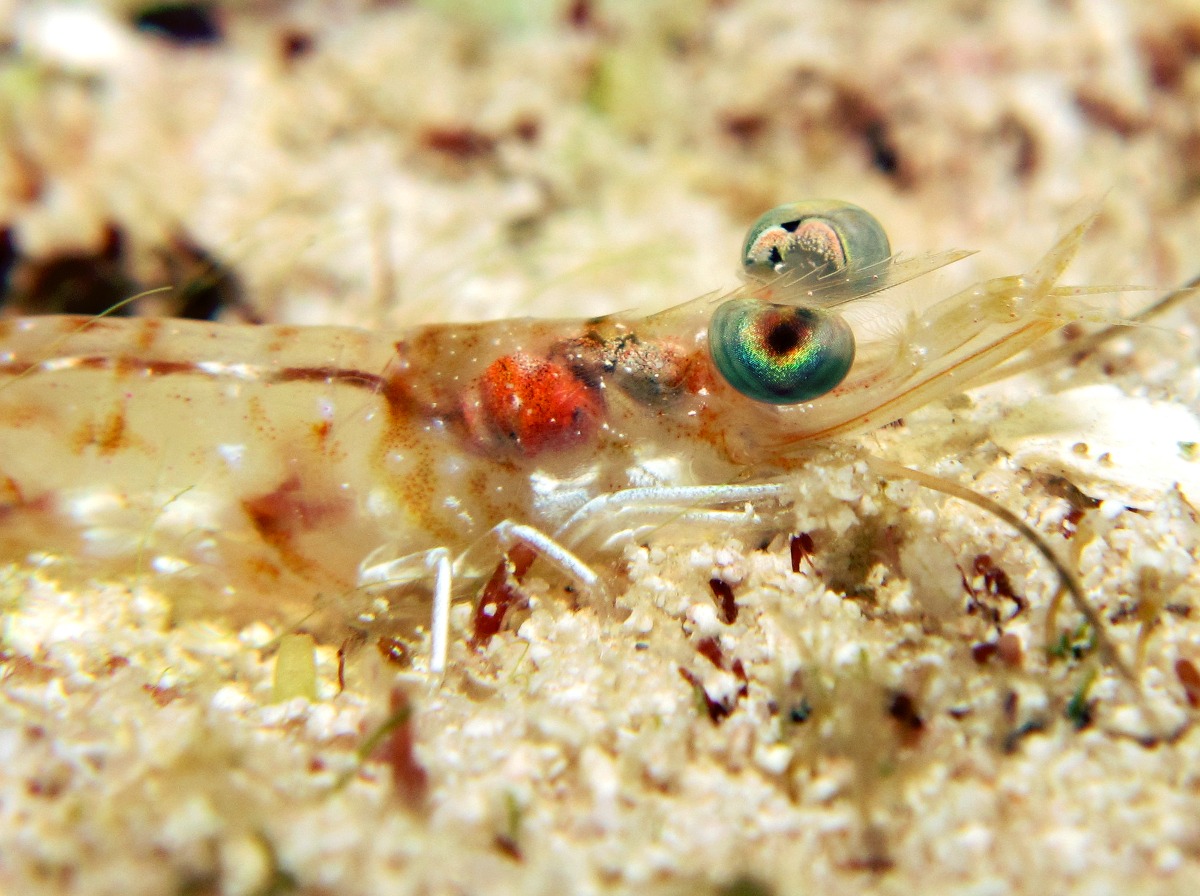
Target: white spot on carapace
(53, 365)
(168, 565)
(235, 371)
(233, 454)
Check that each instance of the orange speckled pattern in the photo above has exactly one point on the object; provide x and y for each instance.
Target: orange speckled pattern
(529, 405)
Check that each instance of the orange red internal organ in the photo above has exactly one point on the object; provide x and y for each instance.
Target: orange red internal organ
(529, 405)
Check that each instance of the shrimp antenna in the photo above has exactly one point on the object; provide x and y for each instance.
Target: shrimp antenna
(1091, 342)
(1066, 575)
(86, 325)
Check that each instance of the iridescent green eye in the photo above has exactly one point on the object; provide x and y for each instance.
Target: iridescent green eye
(777, 353)
(814, 239)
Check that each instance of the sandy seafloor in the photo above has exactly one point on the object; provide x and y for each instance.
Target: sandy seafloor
(387, 164)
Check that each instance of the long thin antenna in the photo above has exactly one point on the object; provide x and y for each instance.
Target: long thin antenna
(1066, 575)
(1092, 341)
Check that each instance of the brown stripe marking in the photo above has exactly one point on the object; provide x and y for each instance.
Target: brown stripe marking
(361, 379)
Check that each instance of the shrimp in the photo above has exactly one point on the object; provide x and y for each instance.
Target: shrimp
(255, 469)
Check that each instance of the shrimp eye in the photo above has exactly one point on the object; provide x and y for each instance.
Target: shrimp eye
(778, 353)
(814, 239)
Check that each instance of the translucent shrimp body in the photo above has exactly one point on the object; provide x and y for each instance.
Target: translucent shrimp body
(252, 467)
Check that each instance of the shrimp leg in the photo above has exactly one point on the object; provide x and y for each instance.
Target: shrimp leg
(414, 567)
(677, 503)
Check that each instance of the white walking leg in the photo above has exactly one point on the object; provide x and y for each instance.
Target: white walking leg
(415, 568)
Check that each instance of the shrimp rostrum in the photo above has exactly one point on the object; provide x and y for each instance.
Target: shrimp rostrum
(250, 468)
